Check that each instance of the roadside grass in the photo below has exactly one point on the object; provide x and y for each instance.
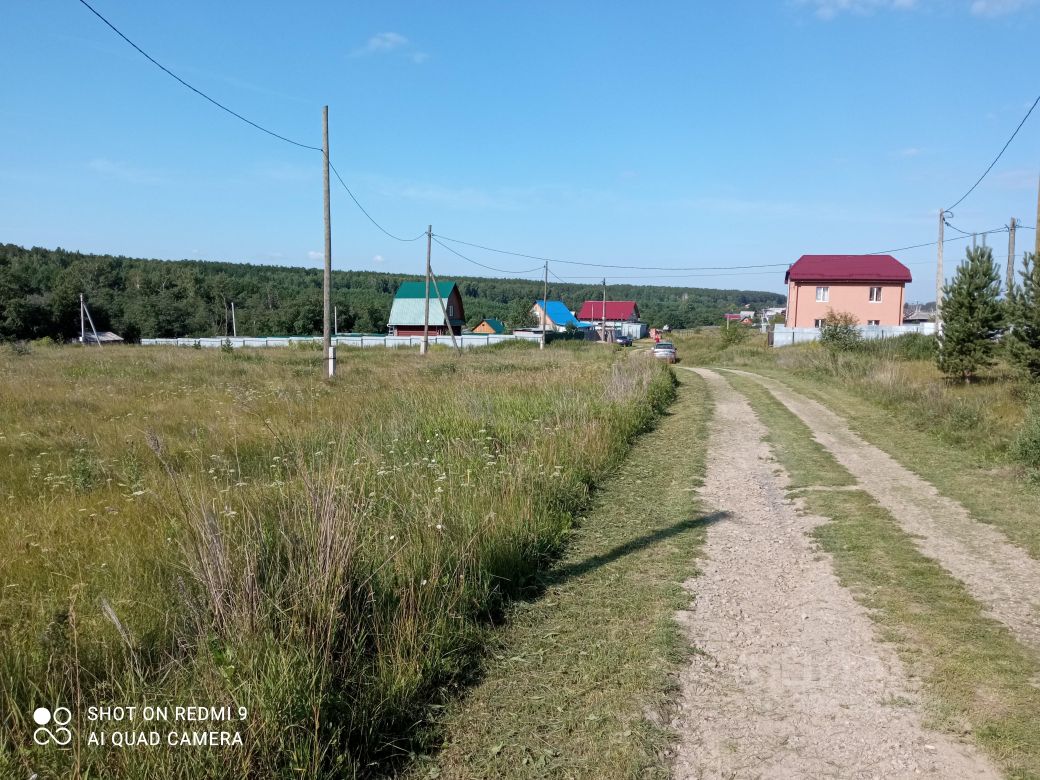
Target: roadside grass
(579, 682)
(194, 527)
(976, 679)
(958, 437)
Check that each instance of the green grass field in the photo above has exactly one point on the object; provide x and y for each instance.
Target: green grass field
(192, 527)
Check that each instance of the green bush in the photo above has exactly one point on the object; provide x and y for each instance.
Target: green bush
(1026, 446)
(840, 332)
(733, 334)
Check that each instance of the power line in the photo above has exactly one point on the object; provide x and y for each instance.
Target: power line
(482, 265)
(249, 122)
(365, 211)
(608, 265)
(1004, 149)
(197, 91)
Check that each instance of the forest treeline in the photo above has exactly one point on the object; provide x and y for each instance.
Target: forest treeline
(40, 288)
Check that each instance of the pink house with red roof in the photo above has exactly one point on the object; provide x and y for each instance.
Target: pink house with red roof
(870, 287)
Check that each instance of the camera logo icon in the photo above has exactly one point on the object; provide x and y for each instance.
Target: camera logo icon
(53, 726)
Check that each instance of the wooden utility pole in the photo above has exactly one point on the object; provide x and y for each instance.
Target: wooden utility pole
(327, 348)
(545, 304)
(939, 277)
(1011, 256)
(425, 346)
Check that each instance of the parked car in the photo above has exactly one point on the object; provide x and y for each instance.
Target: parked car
(665, 350)
(624, 341)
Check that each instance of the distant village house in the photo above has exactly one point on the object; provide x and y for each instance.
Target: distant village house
(620, 316)
(557, 316)
(490, 326)
(870, 287)
(407, 312)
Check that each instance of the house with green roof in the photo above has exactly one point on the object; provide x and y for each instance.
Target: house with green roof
(490, 326)
(407, 311)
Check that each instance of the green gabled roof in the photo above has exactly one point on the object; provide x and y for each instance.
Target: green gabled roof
(496, 325)
(418, 290)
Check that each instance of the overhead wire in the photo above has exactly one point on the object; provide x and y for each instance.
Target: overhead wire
(1001, 153)
(248, 121)
(736, 269)
(608, 265)
(365, 211)
(482, 265)
(197, 91)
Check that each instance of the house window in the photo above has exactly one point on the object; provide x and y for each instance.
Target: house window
(875, 295)
(874, 322)
(823, 294)
(819, 323)
(451, 309)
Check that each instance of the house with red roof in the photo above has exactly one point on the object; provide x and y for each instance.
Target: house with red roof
(870, 287)
(615, 312)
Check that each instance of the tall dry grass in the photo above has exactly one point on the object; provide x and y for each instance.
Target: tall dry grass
(192, 527)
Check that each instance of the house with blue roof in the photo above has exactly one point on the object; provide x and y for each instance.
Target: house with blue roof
(557, 316)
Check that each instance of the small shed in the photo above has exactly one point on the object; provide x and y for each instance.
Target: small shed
(490, 326)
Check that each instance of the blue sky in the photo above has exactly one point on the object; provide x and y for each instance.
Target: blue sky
(678, 134)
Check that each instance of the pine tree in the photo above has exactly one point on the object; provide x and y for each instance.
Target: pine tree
(972, 316)
(1023, 340)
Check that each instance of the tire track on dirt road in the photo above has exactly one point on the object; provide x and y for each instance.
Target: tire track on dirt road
(999, 575)
(789, 680)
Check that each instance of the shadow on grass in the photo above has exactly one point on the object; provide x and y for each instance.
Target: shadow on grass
(578, 568)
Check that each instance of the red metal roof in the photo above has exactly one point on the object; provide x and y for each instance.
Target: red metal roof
(847, 268)
(592, 311)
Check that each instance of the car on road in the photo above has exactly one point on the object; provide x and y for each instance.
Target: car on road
(665, 350)
(623, 341)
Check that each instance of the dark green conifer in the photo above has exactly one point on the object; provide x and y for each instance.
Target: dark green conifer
(972, 316)
(1023, 339)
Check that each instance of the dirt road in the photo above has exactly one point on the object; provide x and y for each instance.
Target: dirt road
(999, 575)
(789, 680)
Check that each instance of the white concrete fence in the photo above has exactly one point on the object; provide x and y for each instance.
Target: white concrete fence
(785, 337)
(392, 342)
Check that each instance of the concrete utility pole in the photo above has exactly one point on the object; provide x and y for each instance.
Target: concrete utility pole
(444, 311)
(82, 322)
(1011, 256)
(234, 325)
(335, 319)
(604, 311)
(939, 278)
(330, 351)
(425, 346)
(545, 304)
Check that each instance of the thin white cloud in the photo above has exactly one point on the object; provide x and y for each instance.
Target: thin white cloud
(998, 7)
(377, 259)
(910, 151)
(380, 44)
(829, 9)
(114, 169)
(312, 255)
